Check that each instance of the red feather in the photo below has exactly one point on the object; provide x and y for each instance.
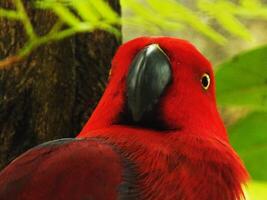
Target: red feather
(190, 158)
(60, 170)
(178, 165)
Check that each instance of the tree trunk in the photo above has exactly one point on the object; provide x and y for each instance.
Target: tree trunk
(51, 93)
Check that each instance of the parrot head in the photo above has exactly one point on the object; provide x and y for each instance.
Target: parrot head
(161, 83)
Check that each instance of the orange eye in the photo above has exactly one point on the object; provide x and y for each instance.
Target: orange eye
(205, 81)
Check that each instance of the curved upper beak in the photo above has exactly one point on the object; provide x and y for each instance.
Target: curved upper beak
(149, 74)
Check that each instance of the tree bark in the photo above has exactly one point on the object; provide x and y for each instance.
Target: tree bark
(51, 93)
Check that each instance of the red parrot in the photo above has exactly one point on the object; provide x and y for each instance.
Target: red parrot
(155, 135)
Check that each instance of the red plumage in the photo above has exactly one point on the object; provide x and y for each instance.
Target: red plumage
(187, 158)
(61, 170)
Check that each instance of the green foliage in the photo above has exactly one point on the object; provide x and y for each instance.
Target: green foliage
(87, 15)
(242, 81)
(73, 17)
(256, 190)
(178, 12)
(9, 14)
(205, 16)
(224, 12)
(249, 138)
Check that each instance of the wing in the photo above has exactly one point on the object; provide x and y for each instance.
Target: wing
(82, 169)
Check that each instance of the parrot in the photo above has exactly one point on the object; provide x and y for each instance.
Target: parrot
(156, 134)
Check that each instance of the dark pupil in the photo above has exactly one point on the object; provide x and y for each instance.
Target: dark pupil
(205, 81)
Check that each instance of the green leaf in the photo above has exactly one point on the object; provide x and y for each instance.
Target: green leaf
(148, 16)
(252, 9)
(242, 81)
(66, 15)
(86, 11)
(176, 11)
(252, 4)
(10, 14)
(249, 138)
(106, 11)
(139, 23)
(224, 12)
(62, 9)
(256, 190)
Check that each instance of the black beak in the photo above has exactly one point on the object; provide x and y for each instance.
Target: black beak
(149, 74)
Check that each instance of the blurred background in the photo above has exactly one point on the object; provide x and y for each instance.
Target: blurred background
(55, 57)
(220, 29)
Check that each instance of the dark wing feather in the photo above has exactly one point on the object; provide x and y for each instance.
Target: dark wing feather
(81, 169)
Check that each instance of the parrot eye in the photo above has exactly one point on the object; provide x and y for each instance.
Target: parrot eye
(205, 81)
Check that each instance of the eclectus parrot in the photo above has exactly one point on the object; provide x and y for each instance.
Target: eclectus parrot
(155, 135)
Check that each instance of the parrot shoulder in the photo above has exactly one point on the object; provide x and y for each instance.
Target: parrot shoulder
(64, 169)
